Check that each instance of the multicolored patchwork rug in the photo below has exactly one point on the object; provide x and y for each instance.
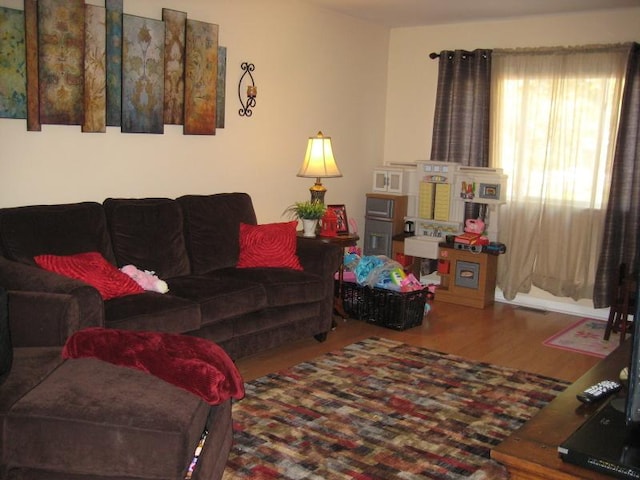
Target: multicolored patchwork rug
(380, 409)
(584, 336)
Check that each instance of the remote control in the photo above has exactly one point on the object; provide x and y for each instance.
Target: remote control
(599, 391)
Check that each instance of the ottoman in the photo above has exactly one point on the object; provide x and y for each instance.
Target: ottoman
(93, 420)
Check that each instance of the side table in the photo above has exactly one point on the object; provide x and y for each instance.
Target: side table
(343, 241)
(531, 453)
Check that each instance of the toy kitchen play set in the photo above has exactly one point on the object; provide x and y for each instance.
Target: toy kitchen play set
(456, 225)
(439, 216)
(452, 199)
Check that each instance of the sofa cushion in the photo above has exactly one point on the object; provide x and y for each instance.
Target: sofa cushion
(282, 286)
(152, 311)
(93, 418)
(91, 268)
(148, 233)
(212, 228)
(219, 295)
(287, 325)
(65, 229)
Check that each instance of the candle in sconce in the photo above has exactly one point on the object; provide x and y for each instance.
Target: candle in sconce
(252, 91)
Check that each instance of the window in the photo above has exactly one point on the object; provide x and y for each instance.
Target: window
(578, 125)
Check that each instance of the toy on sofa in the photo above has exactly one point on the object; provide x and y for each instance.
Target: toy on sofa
(146, 279)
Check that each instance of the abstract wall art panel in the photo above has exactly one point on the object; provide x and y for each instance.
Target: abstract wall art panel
(222, 84)
(31, 44)
(77, 62)
(13, 65)
(142, 75)
(114, 62)
(175, 25)
(60, 61)
(95, 75)
(201, 75)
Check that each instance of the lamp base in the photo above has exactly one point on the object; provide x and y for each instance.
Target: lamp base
(317, 192)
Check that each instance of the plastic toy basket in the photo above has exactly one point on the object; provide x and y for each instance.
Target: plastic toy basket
(388, 308)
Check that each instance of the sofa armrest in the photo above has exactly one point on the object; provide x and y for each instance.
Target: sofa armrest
(320, 258)
(45, 308)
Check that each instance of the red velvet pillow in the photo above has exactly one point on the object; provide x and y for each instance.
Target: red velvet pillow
(92, 268)
(270, 245)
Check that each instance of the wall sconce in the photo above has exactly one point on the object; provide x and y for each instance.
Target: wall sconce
(247, 101)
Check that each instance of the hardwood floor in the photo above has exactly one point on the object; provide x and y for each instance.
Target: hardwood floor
(502, 334)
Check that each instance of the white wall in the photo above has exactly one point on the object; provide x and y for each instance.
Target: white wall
(413, 75)
(314, 71)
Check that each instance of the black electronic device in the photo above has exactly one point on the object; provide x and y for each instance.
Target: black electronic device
(603, 443)
(632, 406)
(599, 391)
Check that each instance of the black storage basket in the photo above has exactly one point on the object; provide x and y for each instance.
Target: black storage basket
(388, 308)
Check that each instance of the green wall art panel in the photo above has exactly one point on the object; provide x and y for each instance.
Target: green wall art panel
(13, 70)
(222, 85)
(95, 95)
(114, 62)
(175, 36)
(201, 78)
(61, 61)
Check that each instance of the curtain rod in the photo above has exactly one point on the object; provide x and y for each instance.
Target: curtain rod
(547, 50)
(434, 55)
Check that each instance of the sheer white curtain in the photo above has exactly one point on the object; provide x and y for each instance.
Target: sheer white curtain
(554, 120)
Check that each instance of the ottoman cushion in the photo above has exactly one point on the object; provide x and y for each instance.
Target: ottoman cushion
(90, 417)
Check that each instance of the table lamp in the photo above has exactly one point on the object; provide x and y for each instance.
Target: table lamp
(319, 163)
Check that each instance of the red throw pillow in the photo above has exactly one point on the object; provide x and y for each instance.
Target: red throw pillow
(270, 245)
(92, 268)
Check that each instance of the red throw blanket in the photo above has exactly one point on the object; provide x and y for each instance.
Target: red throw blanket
(194, 364)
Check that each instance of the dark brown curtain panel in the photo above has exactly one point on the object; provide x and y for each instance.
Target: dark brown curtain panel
(620, 237)
(461, 120)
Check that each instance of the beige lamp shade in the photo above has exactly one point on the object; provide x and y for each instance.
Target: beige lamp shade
(319, 161)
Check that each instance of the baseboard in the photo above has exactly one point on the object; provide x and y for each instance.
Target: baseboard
(562, 305)
(568, 308)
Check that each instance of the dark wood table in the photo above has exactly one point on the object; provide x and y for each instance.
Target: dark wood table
(343, 241)
(531, 452)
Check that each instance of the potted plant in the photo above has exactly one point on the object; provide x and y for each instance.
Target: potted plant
(309, 212)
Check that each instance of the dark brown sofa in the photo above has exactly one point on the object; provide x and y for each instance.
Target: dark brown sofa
(87, 419)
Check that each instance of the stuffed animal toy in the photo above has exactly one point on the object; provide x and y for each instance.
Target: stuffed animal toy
(146, 279)
(474, 226)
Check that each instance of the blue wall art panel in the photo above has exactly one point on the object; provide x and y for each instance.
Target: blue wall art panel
(142, 75)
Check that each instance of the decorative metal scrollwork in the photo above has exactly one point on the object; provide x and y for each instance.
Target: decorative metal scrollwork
(249, 101)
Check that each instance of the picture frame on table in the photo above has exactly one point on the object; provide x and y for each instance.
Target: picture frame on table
(341, 215)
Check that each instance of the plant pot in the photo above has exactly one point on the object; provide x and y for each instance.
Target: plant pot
(309, 227)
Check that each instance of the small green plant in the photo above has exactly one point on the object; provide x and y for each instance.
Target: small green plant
(306, 210)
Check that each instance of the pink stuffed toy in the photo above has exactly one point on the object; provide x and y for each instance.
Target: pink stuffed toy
(474, 226)
(146, 279)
